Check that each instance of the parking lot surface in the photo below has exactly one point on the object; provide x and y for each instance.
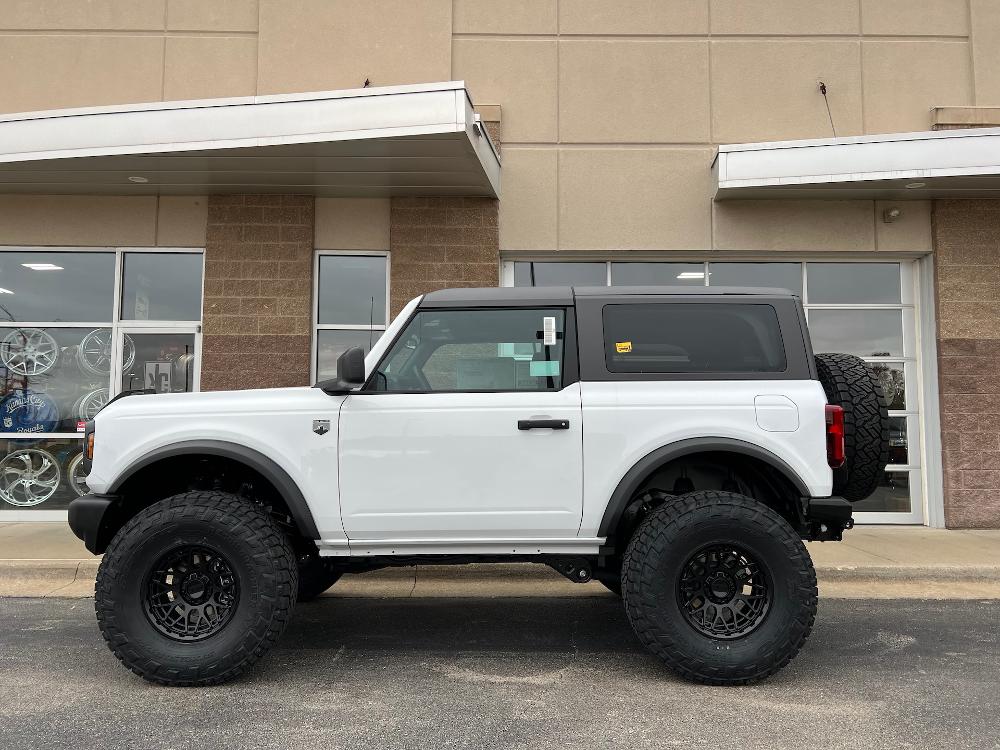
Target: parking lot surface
(510, 673)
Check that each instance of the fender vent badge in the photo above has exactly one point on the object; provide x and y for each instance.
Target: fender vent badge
(321, 426)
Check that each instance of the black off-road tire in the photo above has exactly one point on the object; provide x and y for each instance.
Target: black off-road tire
(664, 545)
(316, 575)
(850, 383)
(259, 557)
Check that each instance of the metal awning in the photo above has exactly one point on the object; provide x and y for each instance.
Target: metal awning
(900, 166)
(423, 139)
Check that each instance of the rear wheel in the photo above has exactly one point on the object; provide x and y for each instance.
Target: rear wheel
(850, 383)
(195, 589)
(719, 587)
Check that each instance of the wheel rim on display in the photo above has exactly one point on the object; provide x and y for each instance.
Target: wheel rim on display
(94, 353)
(76, 476)
(29, 351)
(89, 404)
(191, 593)
(724, 592)
(28, 477)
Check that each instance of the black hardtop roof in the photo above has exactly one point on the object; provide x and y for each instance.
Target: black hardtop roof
(565, 295)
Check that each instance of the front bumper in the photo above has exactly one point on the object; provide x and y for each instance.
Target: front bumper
(90, 518)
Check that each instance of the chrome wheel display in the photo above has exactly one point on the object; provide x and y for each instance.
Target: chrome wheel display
(94, 353)
(28, 477)
(87, 406)
(29, 351)
(76, 477)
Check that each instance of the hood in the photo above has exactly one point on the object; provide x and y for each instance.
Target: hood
(262, 400)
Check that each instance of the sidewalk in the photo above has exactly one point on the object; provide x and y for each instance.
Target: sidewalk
(872, 562)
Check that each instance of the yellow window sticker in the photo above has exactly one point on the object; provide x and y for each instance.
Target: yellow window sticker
(623, 347)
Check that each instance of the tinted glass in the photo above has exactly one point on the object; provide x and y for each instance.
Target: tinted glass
(890, 376)
(161, 361)
(697, 338)
(853, 283)
(44, 474)
(331, 344)
(660, 274)
(352, 289)
(476, 350)
(891, 496)
(56, 286)
(52, 378)
(774, 275)
(560, 274)
(161, 286)
(866, 333)
(898, 442)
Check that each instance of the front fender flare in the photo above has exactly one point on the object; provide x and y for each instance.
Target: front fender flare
(256, 460)
(646, 465)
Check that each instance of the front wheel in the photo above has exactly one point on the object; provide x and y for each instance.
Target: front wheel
(195, 589)
(719, 587)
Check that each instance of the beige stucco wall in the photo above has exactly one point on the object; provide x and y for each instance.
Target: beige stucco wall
(611, 111)
(103, 221)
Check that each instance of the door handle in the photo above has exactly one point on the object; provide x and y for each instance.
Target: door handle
(543, 424)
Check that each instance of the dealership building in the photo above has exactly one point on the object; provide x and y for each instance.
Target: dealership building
(214, 195)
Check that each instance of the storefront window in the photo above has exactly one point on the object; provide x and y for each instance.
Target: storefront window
(64, 354)
(560, 274)
(663, 274)
(39, 285)
(351, 307)
(866, 309)
(775, 275)
(161, 286)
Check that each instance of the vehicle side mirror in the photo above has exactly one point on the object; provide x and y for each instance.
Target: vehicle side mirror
(350, 373)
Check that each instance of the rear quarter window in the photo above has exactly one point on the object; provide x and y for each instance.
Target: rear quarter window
(693, 337)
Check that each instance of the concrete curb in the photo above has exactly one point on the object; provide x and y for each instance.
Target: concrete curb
(75, 579)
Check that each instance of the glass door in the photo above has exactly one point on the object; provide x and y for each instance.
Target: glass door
(164, 360)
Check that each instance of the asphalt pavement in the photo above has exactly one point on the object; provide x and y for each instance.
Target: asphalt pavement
(510, 672)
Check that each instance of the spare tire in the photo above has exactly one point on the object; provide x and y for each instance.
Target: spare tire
(850, 383)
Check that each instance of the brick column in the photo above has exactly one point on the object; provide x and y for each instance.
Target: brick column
(258, 287)
(967, 269)
(437, 243)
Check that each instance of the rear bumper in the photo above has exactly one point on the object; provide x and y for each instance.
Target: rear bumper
(828, 517)
(89, 518)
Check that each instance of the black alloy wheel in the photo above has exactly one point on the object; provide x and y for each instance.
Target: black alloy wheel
(724, 592)
(191, 593)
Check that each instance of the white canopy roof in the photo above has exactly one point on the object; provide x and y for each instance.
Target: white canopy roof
(421, 139)
(899, 166)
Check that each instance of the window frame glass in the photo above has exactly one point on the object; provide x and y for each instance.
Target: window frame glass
(568, 364)
(614, 366)
(117, 326)
(376, 329)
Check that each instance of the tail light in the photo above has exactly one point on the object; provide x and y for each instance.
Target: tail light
(835, 453)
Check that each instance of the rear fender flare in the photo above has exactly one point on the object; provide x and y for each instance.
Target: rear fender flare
(645, 466)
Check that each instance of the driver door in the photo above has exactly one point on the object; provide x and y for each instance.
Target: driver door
(470, 428)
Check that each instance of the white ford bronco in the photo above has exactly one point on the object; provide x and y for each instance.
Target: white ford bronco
(675, 446)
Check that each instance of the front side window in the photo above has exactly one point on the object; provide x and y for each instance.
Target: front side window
(476, 350)
(692, 337)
